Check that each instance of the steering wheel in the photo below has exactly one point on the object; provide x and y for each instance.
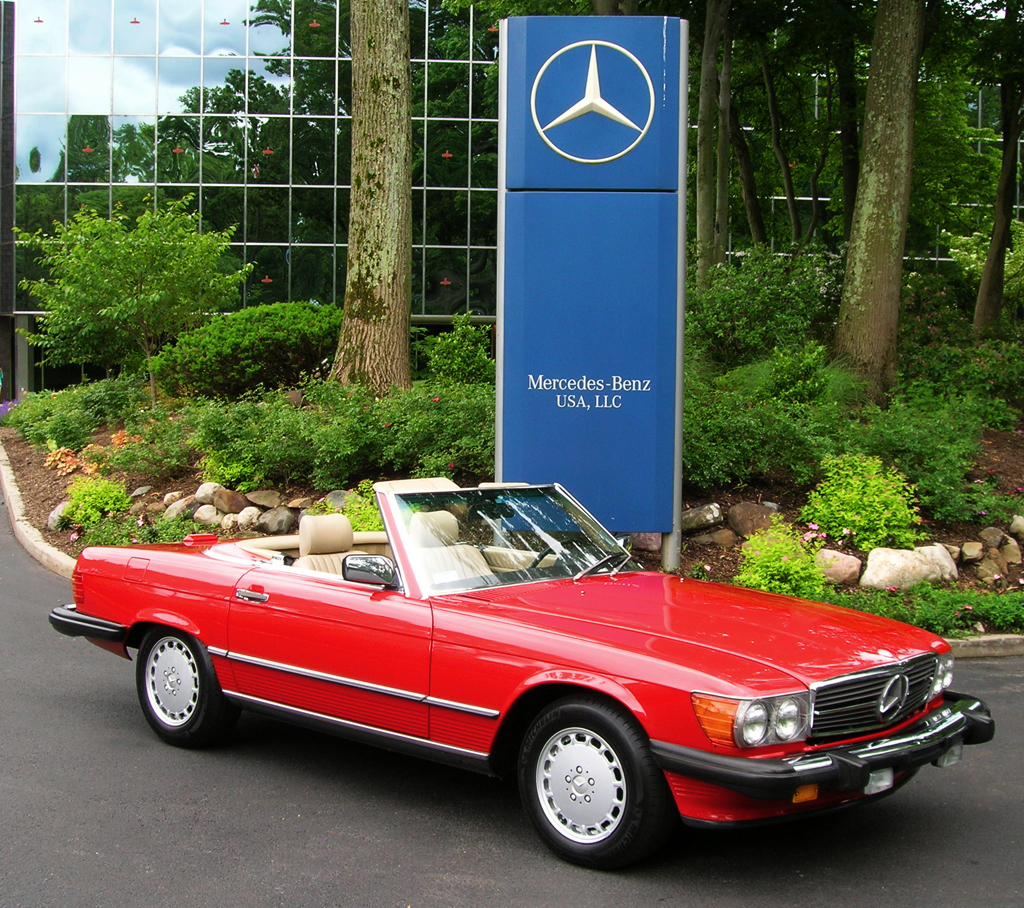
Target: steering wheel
(544, 552)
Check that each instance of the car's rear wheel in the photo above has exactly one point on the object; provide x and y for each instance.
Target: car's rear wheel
(591, 787)
(179, 692)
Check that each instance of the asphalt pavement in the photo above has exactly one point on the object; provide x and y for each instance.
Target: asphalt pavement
(95, 811)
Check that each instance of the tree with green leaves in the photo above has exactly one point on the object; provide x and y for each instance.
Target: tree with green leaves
(116, 286)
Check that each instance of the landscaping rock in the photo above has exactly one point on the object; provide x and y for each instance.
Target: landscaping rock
(172, 497)
(248, 518)
(205, 493)
(155, 509)
(229, 502)
(645, 542)
(208, 515)
(747, 517)
(141, 491)
(701, 518)
(992, 537)
(1010, 552)
(972, 552)
(266, 498)
(183, 507)
(277, 522)
(340, 497)
(1017, 527)
(991, 572)
(230, 523)
(838, 567)
(137, 508)
(300, 504)
(901, 569)
(725, 538)
(954, 551)
(53, 521)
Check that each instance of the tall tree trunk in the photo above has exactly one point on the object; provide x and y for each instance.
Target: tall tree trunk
(707, 115)
(780, 155)
(989, 305)
(849, 153)
(615, 7)
(748, 184)
(722, 180)
(373, 349)
(869, 311)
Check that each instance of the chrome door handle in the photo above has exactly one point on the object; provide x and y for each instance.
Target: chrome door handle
(251, 596)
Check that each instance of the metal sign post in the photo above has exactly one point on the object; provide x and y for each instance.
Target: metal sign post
(591, 262)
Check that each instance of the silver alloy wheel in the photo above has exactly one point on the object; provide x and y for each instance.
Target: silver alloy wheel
(581, 785)
(172, 681)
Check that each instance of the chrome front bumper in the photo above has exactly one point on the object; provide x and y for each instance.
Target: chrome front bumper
(846, 768)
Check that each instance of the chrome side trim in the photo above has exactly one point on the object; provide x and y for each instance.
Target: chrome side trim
(358, 685)
(217, 651)
(464, 708)
(324, 676)
(356, 727)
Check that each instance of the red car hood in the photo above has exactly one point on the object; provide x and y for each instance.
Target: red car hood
(809, 641)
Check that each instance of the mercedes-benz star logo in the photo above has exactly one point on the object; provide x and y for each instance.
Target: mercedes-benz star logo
(593, 102)
(893, 696)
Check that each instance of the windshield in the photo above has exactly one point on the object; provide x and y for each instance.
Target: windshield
(472, 538)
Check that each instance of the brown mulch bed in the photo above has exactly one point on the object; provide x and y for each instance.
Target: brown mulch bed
(1002, 457)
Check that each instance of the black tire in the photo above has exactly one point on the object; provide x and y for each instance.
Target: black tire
(179, 692)
(590, 785)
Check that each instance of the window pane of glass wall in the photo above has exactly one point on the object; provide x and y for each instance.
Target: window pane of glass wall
(223, 207)
(135, 27)
(90, 31)
(224, 30)
(41, 27)
(134, 85)
(179, 81)
(315, 89)
(88, 152)
(314, 154)
(40, 148)
(37, 208)
(312, 274)
(177, 160)
(223, 86)
(41, 85)
(266, 215)
(270, 83)
(224, 158)
(180, 32)
(312, 215)
(133, 152)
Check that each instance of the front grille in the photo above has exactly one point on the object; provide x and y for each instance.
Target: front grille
(850, 704)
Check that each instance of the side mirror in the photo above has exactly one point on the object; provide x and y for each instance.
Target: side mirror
(375, 569)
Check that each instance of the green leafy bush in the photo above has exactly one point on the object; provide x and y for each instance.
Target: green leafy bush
(124, 530)
(360, 509)
(777, 561)
(158, 446)
(862, 500)
(275, 345)
(92, 499)
(462, 355)
(950, 613)
(768, 301)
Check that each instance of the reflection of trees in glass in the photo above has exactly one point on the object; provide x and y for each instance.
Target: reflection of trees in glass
(87, 152)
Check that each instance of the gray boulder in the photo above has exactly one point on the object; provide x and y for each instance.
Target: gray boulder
(183, 507)
(645, 542)
(248, 518)
(208, 515)
(229, 502)
(901, 569)
(1010, 551)
(53, 521)
(972, 552)
(1017, 527)
(707, 515)
(266, 498)
(277, 522)
(205, 493)
(340, 497)
(992, 537)
(747, 517)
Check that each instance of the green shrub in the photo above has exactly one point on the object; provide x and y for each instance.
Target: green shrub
(163, 450)
(777, 561)
(950, 613)
(275, 345)
(360, 509)
(860, 499)
(92, 499)
(768, 301)
(123, 530)
(462, 355)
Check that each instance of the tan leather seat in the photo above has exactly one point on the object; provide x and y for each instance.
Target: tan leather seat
(324, 541)
(437, 552)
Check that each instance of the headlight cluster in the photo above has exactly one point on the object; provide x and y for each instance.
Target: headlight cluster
(943, 674)
(753, 723)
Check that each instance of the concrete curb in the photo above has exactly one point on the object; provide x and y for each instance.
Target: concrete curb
(987, 647)
(29, 537)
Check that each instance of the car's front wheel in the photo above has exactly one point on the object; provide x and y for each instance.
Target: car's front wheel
(179, 692)
(591, 787)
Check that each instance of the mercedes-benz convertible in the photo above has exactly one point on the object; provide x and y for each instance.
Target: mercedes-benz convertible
(504, 630)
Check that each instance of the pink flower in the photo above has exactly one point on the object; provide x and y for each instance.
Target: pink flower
(74, 538)
(435, 399)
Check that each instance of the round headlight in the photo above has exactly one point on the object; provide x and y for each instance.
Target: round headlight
(788, 719)
(754, 725)
(946, 670)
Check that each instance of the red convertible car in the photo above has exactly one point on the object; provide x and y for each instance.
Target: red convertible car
(503, 629)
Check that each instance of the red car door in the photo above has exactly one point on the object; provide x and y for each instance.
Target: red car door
(319, 645)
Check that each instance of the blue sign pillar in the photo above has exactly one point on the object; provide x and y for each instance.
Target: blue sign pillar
(591, 262)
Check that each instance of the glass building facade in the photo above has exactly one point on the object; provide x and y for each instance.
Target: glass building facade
(242, 105)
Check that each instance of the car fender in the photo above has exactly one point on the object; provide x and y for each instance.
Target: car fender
(165, 618)
(584, 680)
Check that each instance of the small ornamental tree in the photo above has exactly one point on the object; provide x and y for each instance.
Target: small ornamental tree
(116, 286)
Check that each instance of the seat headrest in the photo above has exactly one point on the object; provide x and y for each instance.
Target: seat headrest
(430, 529)
(322, 534)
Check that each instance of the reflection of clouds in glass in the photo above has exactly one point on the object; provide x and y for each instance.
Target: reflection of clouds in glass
(134, 27)
(45, 134)
(89, 85)
(40, 82)
(134, 85)
(90, 27)
(45, 36)
(177, 76)
(268, 40)
(225, 40)
(180, 29)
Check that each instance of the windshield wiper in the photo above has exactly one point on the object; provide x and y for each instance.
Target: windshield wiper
(600, 563)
